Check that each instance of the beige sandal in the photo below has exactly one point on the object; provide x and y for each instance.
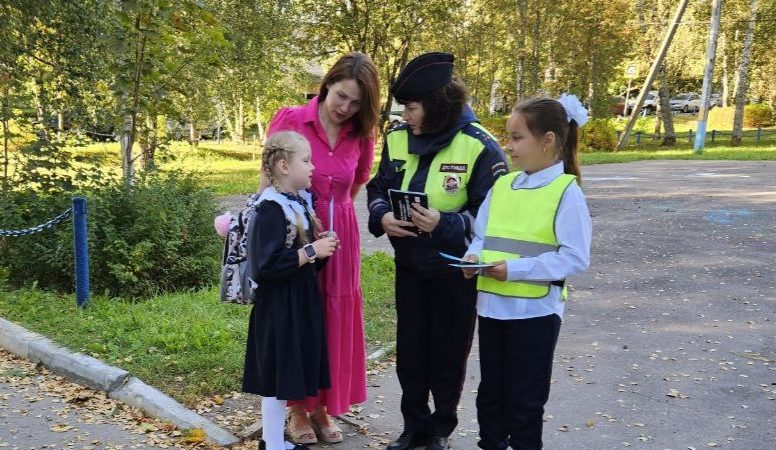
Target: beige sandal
(331, 434)
(304, 435)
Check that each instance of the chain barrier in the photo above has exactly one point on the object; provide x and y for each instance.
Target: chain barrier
(37, 229)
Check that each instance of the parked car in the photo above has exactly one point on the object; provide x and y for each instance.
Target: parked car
(650, 103)
(395, 115)
(686, 102)
(715, 100)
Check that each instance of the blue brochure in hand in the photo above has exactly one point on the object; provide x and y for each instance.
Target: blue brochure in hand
(463, 264)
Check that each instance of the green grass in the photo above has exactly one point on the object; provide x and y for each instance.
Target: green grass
(189, 345)
(684, 152)
(377, 287)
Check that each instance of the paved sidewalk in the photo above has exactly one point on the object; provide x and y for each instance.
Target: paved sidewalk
(669, 340)
(41, 410)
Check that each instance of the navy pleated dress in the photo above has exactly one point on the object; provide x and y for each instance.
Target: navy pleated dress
(286, 350)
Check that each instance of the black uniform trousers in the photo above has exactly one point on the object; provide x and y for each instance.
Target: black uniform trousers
(436, 318)
(516, 366)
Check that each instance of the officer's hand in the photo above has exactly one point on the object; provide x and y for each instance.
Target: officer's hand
(468, 273)
(498, 271)
(425, 219)
(393, 226)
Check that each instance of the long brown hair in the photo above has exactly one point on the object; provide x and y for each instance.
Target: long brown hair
(359, 67)
(545, 114)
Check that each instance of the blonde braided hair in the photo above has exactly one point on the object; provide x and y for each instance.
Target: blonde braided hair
(281, 146)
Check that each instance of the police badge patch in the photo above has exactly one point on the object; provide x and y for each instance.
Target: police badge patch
(452, 183)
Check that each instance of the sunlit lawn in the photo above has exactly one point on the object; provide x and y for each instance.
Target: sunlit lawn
(230, 168)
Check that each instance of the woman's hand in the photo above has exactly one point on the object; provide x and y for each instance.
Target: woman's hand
(498, 271)
(393, 226)
(468, 273)
(325, 247)
(426, 219)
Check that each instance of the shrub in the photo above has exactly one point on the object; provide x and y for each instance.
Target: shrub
(758, 115)
(598, 135)
(156, 236)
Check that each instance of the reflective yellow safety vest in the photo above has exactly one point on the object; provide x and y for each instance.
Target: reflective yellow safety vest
(521, 222)
(450, 169)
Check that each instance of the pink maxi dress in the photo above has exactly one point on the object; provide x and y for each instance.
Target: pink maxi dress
(336, 171)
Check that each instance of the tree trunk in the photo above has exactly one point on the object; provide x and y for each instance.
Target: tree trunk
(537, 39)
(259, 129)
(5, 150)
(239, 122)
(193, 135)
(4, 114)
(39, 108)
(400, 63)
(127, 140)
(664, 109)
(725, 71)
(259, 125)
(148, 143)
(522, 9)
(60, 123)
(743, 74)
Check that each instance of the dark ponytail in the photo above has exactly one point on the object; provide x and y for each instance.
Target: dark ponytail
(545, 114)
(568, 152)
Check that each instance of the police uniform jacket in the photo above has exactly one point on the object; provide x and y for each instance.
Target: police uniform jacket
(454, 231)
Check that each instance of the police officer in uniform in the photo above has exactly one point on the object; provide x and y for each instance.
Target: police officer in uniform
(441, 150)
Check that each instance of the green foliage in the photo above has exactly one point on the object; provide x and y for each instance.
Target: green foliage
(497, 125)
(598, 135)
(156, 236)
(758, 115)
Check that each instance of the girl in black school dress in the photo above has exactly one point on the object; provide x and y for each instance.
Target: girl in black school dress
(286, 351)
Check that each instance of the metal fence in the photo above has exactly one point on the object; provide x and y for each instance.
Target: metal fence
(757, 136)
(80, 243)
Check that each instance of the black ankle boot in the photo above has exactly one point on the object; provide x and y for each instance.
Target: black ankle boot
(407, 441)
(263, 446)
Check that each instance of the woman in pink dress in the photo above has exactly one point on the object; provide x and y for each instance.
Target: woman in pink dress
(339, 124)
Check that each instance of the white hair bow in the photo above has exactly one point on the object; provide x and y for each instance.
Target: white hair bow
(574, 109)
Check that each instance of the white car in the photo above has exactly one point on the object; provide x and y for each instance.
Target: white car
(686, 102)
(395, 114)
(649, 106)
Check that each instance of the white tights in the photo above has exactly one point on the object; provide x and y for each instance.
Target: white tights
(273, 415)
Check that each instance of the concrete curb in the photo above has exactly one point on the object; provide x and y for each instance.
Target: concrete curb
(381, 352)
(117, 383)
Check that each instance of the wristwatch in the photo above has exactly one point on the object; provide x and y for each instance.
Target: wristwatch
(309, 252)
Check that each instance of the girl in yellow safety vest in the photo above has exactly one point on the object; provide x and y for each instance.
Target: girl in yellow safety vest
(534, 230)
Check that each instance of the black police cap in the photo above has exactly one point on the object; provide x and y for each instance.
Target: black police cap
(422, 76)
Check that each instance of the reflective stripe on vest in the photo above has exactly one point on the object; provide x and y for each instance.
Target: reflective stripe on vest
(521, 222)
(450, 169)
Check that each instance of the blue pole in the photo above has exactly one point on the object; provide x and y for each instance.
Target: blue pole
(759, 133)
(81, 252)
(713, 135)
(700, 138)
